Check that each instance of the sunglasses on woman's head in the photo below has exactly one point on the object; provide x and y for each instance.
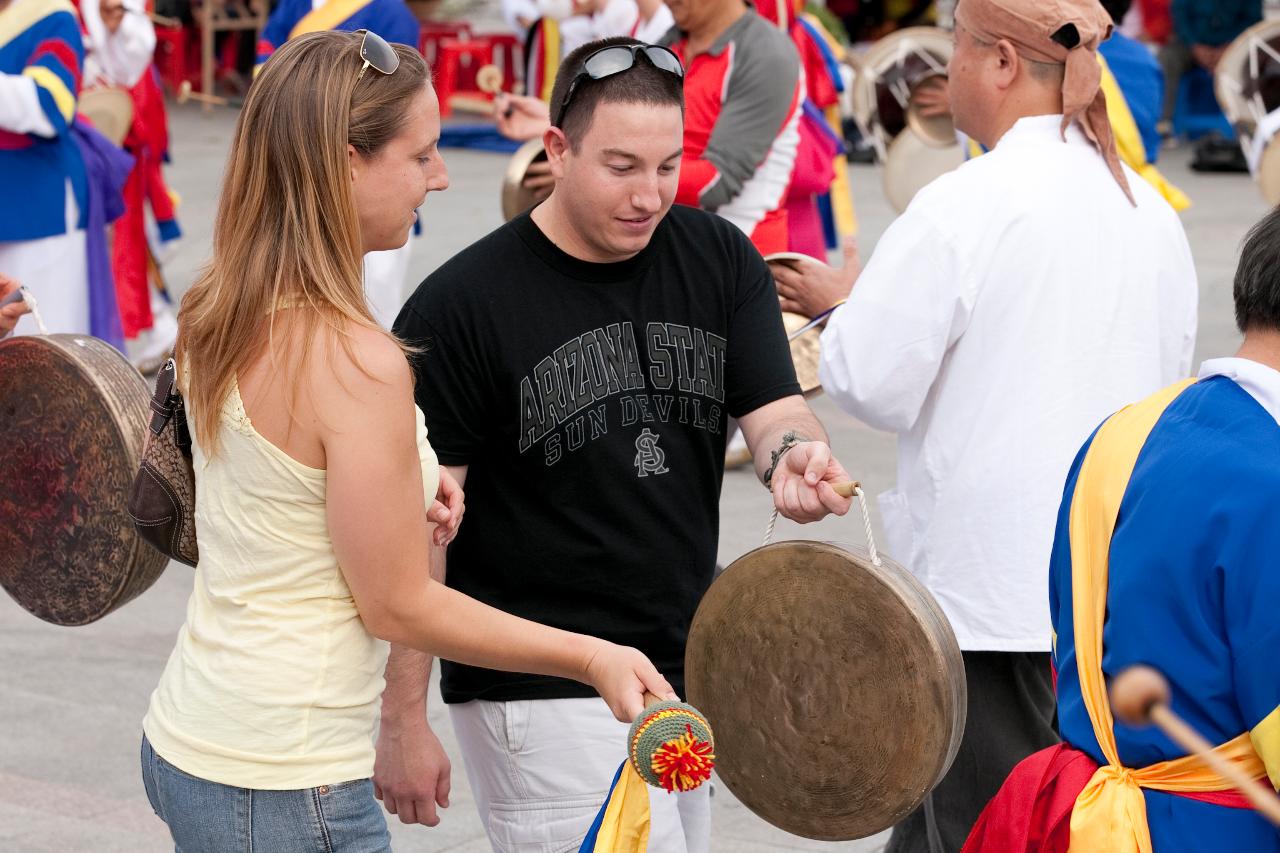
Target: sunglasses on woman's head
(608, 61)
(377, 54)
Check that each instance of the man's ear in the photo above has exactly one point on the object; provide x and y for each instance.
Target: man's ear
(1008, 63)
(557, 147)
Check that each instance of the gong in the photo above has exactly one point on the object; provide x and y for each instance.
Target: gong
(834, 685)
(72, 416)
(516, 199)
(806, 352)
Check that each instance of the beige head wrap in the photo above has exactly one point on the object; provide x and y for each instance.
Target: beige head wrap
(1062, 32)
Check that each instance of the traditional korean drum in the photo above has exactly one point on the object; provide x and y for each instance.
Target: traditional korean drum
(1247, 83)
(913, 149)
(110, 110)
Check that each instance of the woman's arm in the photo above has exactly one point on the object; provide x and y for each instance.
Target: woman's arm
(377, 523)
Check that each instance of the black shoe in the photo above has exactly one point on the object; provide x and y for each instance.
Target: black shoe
(1214, 153)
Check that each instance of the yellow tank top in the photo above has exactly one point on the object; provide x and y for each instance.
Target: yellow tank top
(274, 682)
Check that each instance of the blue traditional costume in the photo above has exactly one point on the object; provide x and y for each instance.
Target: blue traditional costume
(1165, 556)
(390, 19)
(44, 194)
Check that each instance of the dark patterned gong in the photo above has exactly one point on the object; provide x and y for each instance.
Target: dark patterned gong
(72, 416)
(835, 688)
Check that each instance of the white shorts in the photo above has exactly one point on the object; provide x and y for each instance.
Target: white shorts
(540, 770)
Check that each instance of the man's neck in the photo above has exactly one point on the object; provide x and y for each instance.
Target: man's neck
(555, 225)
(1262, 346)
(1025, 103)
(701, 39)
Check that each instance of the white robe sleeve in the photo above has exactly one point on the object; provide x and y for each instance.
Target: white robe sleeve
(883, 349)
(20, 110)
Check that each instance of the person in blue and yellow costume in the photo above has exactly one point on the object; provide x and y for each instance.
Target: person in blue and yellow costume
(390, 19)
(1165, 556)
(44, 192)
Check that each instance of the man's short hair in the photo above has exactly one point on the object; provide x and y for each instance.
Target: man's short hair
(640, 84)
(1257, 285)
(1117, 9)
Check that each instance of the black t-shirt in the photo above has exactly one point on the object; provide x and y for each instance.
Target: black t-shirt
(589, 403)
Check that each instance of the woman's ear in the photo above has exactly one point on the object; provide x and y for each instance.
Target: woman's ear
(353, 160)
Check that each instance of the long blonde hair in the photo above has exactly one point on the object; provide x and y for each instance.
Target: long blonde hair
(287, 231)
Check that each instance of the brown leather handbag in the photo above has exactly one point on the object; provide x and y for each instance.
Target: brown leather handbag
(162, 500)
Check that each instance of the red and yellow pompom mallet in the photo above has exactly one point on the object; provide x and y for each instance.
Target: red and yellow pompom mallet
(671, 746)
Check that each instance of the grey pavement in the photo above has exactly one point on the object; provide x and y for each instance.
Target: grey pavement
(71, 699)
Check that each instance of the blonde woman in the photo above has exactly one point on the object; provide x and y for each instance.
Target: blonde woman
(313, 475)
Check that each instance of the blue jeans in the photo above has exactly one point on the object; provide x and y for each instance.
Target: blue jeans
(205, 817)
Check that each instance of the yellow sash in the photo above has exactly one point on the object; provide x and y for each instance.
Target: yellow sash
(1129, 141)
(327, 17)
(1110, 814)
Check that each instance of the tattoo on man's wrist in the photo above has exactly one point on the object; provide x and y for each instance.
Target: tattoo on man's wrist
(789, 440)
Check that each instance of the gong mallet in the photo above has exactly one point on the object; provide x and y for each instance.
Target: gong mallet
(1140, 696)
(186, 93)
(670, 745)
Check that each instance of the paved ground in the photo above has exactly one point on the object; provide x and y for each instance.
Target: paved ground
(71, 699)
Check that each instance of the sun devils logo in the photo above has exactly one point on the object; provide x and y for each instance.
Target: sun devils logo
(649, 456)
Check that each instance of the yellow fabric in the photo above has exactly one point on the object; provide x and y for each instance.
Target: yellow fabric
(1266, 740)
(16, 20)
(274, 682)
(842, 210)
(1110, 814)
(1129, 141)
(327, 16)
(625, 826)
(550, 57)
(49, 81)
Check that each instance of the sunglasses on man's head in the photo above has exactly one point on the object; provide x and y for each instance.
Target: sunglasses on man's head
(608, 61)
(377, 54)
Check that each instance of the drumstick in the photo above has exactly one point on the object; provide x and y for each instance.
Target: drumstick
(1140, 696)
(185, 94)
(172, 23)
(814, 322)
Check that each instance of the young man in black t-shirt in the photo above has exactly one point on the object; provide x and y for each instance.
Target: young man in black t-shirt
(577, 370)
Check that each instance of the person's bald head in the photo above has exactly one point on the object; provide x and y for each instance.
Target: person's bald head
(992, 86)
(1020, 58)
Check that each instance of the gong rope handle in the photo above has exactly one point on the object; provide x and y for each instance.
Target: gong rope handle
(1140, 695)
(846, 490)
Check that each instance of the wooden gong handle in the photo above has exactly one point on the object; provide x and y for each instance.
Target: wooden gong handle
(1140, 695)
(846, 490)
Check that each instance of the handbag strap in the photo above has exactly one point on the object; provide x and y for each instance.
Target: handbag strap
(167, 405)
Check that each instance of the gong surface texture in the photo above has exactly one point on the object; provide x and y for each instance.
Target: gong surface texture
(72, 416)
(835, 688)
